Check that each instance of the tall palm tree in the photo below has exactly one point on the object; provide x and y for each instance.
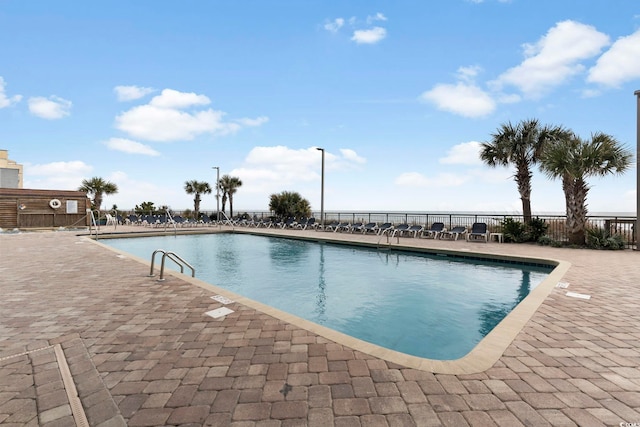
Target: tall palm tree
(229, 185)
(573, 160)
(197, 188)
(98, 187)
(521, 146)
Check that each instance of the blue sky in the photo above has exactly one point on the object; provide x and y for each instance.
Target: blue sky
(150, 94)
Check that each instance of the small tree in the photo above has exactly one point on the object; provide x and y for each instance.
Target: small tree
(573, 160)
(229, 185)
(289, 205)
(98, 187)
(197, 188)
(145, 208)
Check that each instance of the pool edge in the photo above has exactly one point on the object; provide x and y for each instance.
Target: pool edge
(482, 357)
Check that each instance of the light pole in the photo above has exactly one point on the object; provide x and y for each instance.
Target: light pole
(637, 227)
(322, 191)
(217, 168)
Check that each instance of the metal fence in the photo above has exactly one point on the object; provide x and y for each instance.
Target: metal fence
(622, 225)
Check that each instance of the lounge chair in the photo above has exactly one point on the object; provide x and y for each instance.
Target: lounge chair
(400, 229)
(264, 222)
(308, 223)
(415, 229)
(387, 227)
(331, 226)
(290, 222)
(343, 226)
(432, 233)
(111, 220)
(370, 227)
(453, 234)
(478, 232)
(357, 226)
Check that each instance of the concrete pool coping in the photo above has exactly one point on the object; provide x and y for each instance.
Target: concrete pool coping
(484, 355)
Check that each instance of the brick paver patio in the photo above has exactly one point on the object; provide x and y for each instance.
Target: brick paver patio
(142, 353)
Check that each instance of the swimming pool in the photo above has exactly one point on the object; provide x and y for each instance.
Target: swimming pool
(419, 304)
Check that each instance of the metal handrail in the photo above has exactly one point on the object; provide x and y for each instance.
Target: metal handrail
(93, 223)
(390, 233)
(173, 257)
(171, 221)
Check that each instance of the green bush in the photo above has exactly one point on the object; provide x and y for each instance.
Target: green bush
(537, 228)
(518, 232)
(599, 238)
(514, 231)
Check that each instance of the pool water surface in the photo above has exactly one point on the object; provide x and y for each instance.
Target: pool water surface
(430, 306)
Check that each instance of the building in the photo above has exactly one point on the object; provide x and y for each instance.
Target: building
(23, 208)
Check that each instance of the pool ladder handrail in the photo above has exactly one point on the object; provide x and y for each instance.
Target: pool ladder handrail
(173, 257)
(389, 234)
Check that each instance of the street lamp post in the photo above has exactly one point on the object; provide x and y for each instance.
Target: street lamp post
(322, 190)
(637, 227)
(217, 168)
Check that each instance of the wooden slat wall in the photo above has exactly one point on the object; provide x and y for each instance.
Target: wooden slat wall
(31, 209)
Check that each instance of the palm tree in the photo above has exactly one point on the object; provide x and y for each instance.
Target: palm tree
(520, 145)
(197, 188)
(573, 160)
(289, 205)
(98, 187)
(229, 185)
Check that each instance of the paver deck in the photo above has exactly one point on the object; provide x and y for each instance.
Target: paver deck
(142, 352)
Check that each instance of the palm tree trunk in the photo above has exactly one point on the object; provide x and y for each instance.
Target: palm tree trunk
(196, 206)
(230, 206)
(576, 195)
(97, 200)
(523, 179)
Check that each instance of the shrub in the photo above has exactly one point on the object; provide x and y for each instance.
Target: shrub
(599, 238)
(537, 229)
(518, 232)
(514, 231)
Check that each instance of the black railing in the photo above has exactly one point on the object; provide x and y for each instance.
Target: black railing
(621, 225)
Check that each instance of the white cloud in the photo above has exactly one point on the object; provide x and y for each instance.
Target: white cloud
(468, 74)
(170, 98)
(49, 108)
(131, 147)
(253, 122)
(279, 168)
(131, 93)
(334, 25)
(621, 63)
(377, 17)
(6, 101)
(442, 180)
(467, 153)
(352, 156)
(371, 36)
(56, 175)
(164, 119)
(554, 58)
(463, 99)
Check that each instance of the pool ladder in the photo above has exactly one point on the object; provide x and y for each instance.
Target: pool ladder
(390, 237)
(173, 257)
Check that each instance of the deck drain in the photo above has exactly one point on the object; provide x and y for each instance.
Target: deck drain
(222, 299)
(577, 295)
(563, 285)
(219, 312)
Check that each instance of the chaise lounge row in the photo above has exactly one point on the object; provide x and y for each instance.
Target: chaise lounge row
(437, 230)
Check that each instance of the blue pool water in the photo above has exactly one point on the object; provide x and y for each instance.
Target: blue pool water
(424, 305)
